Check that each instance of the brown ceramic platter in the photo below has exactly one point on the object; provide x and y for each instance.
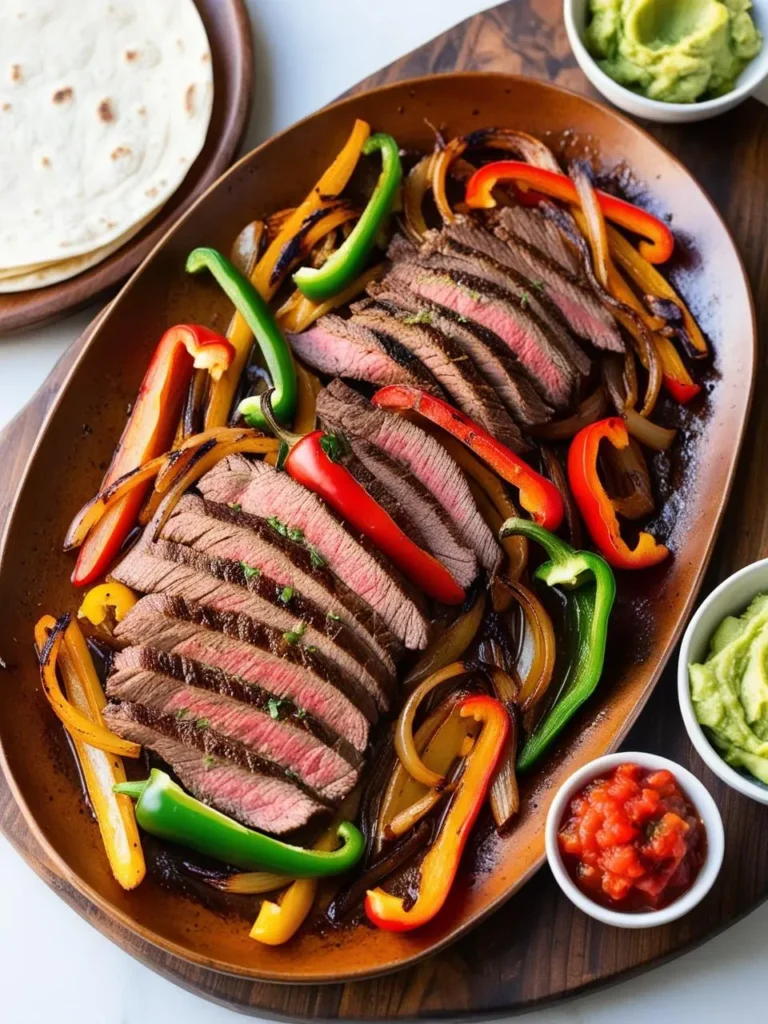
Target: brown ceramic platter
(229, 34)
(79, 434)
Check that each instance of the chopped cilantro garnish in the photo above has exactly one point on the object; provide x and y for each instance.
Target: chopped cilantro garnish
(202, 724)
(294, 635)
(525, 299)
(249, 571)
(424, 316)
(209, 761)
(286, 595)
(315, 557)
(236, 506)
(275, 523)
(182, 713)
(294, 533)
(290, 775)
(273, 704)
(539, 284)
(334, 616)
(301, 713)
(311, 648)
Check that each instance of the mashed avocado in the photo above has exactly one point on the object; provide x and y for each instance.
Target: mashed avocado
(730, 690)
(678, 51)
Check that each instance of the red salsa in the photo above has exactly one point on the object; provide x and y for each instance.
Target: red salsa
(632, 840)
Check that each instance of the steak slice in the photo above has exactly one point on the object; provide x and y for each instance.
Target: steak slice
(580, 306)
(321, 769)
(348, 412)
(473, 250)
(496, 363)
(133, 660)
(343, 348)
(256, 653)
(543, 235)
(498, 311)
(438, 533)
(180, 571)
(452, 367)
(262, 491)
(264, 802)
(231, 534)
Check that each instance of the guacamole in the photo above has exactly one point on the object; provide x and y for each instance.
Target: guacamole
(678, 51)
(730, 690)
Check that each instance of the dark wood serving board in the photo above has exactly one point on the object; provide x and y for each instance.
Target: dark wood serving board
(537, 947)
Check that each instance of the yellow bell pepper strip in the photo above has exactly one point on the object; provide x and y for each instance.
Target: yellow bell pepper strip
(349, 260)
(595, 505)
(298, 312)
(277, 923)
(149, 432)
(262, 324)
(658, 241)
(439, 867)
(49, 634)
(101, 770)
(108, 600)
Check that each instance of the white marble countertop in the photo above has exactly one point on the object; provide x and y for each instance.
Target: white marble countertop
(53, 965)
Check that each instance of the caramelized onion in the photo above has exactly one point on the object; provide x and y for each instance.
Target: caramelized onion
(404, 741)
(504, 794)
(247, 247)
(417, 184)
(595, 223)
(591, 409)
(648, 433)
(241, 883)
(539, 674)
(556, 474)
(450, 644)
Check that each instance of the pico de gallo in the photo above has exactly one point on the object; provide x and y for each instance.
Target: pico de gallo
(632, 840)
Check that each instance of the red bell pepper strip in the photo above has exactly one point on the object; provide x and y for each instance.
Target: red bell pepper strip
(313, 461)
(538, 496)
(596, 507)
(438, 870)
(149, 432)
(658, 241)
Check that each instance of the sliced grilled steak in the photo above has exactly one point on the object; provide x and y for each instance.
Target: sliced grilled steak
(342, 348)
(490, 355)
(473, 250)
(262, 491)
(132, 661)
(438, 533)
(266, 735)
(451, 366)
(180, 571)
(500, 312)
(581, 308)
(231, 534)
(256, 653)
(345, 410)
(265, 802)
(542, 234)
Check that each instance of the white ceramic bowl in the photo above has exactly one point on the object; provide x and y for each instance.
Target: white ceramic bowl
(575, 12)
(730, 598)
(696, 793)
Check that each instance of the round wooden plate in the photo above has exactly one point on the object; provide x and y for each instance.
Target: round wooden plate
(229, 33)
(535, 947)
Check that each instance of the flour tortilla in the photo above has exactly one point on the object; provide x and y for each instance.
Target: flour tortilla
(104, 106)
(43, 274)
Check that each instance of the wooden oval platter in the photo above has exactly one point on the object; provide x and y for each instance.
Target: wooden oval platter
(536, 946)
(229, 33)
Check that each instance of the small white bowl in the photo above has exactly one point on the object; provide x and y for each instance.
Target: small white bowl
(575, 12)
(699, 797)
(730, 598)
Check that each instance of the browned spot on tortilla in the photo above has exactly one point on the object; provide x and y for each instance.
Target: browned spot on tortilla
(6, 106)
(131, 55)
(16, 75)
(151, 191)
(45, 162)
(189, 99)
(119, 151)
(63, 95)
(142, 111)
(205, 58)
(105, 111)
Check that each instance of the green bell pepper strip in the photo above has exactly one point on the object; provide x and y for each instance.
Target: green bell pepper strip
(592, 588)
(351, 258)
(269, 338)
(167, 812)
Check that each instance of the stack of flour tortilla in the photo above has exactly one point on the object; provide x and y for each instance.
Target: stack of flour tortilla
(104, 107)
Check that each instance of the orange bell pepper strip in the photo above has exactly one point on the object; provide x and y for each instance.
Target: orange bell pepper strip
(149, 432)
(538, 496)
(658, 241)
(438, 870)
(109, 600)
(596, 507)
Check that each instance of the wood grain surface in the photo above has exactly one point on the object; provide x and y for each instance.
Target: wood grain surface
(229, 34)
(537, 947)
